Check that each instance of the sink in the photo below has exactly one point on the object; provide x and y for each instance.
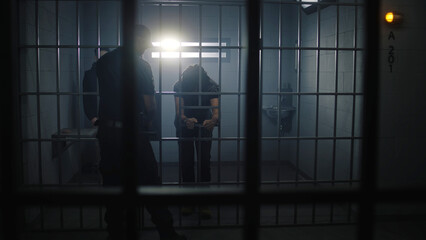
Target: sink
(272, 111)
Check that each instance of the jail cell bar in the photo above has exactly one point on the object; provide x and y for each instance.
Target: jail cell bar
(298, 94)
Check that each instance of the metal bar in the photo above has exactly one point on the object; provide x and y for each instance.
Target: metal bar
(169, 195)
(201, 2)
(235, 2)
(204, 93)
(205, 227)
(220, 97)
(8, 137)
(130, 122)
(77, 12)
(98, 29)
(299, 34)
(336, 90)
(355, 43)
(252, 208)
(118, 24)
(114, 46)
(160, 88)
(198, 141)
(195, 47)
(370, 125)
(179, 113)
(279, 98)
(220, 112)
(18, 6)
(58, 102)
(239, 111)
(40, 164)
(317, 104)
(78, 70)
(98, 32)
(192, 139)
(315, 48)
(282, 182)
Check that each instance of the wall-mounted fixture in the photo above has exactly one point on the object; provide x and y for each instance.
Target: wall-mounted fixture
(311, 6)
(393, 17)
(172, 48)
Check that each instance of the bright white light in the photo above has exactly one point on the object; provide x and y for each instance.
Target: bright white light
(170, 44)
(175, 44)
(187, 55)
(308, 5)
(168, 49)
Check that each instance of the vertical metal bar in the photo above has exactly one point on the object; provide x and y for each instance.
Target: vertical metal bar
(198, 142)
(58, 86)
(260, 97)
(317, 105)
(19, 6)
(200, 55)
(336, 91)
(98, 28)
(355, 44)
(252, 208)
(78, 100)
(299, 34)
(40, 163)
(220, 104)
(130, 118)
(179, 101)
(8, 153)
(370, 117)
(220, 95)
(98, 32)
(179, 122)
(58, 103)
(239, 110)
(77, 12)
(78, 80)
(118, 23)
(261, 62)
(8, 144)
(279, 97)
(160, 89)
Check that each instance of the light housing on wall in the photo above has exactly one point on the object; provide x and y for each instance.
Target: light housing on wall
(393, 17)
(311, 6)
(172, 48)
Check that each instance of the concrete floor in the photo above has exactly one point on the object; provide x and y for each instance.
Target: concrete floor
(87, 222)
(384, 231)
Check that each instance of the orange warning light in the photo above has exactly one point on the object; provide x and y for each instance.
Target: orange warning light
(393, 17)
(389, 17)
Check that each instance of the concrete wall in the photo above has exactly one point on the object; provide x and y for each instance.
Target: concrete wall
(165, 24)
(334, 119)
(402, 103)
(402, 98)
(48, 83)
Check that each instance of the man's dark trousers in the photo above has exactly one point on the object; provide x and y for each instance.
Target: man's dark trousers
(186, 152)
(110, 140)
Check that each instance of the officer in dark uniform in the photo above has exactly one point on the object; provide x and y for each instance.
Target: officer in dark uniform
(90, 150)
(110, 134)
(90, 85)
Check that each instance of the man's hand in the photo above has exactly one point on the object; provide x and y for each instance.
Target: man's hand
(189, 122)
(93, 121)
(209, 124)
